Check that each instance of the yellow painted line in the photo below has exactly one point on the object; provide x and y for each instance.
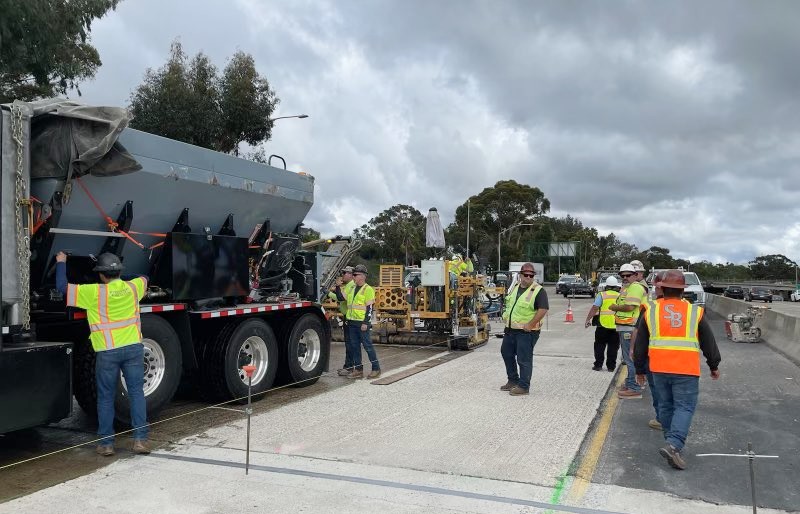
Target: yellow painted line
(585, 472)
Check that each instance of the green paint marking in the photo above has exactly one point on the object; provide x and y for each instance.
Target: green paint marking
(555, 498)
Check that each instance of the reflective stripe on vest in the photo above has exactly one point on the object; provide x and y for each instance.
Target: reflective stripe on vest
(674, 345)
(518, 318)
(606, 314)
(627, 318)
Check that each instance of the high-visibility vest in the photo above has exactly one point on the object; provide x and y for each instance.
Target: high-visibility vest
(357, 302)
(519, 310)
(674, 345)
(112, 311)
(470, 266)
(343, 304)
(628, 319)
(606, 314)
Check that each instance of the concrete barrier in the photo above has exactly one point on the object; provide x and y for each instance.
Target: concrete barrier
(780, 331)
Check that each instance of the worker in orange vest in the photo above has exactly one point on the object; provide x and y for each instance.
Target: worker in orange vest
(671, 334)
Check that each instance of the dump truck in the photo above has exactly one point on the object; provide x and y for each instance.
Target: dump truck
(217, 236)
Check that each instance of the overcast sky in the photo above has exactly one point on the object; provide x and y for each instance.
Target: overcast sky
(669, 123)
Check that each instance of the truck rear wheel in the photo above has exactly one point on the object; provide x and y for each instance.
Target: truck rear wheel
(306, 351)
(162, 369)
(238, 344)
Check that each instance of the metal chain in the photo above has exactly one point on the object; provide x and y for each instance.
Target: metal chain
(22, 202)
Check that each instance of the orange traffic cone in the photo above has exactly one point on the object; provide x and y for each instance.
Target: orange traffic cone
(570, 318)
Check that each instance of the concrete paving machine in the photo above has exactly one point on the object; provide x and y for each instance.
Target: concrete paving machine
(434, 308)
(745, 327)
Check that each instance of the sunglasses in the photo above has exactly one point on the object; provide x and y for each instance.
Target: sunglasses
(528, 275)
(626, 275)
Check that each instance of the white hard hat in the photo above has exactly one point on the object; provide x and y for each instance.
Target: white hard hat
(628, 268)
(637, 265)
(612, 282)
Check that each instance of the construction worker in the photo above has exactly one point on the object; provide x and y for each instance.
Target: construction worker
(360, 299)
(671, 335)
(626, 312)
(638, 267)
(606, 340)
(344, 283)
(112, 310)
(525, 307)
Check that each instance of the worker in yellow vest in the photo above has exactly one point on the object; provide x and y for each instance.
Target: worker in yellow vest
(525, 307)
(360, 301)
(344, 284)
(671, 334)
(115, 330)
(606, 340)
(626, 312)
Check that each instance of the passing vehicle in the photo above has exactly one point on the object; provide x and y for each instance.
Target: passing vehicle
(577, 288)
(795, 296)
(758, 293)
(734, 292)
(693, 292)
(564, 281)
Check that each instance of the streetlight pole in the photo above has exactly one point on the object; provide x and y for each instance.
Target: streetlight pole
(500, 233)
(301, 116)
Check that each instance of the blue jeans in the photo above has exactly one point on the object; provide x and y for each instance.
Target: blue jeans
(130, 360)
(357, 338)
(517, 350)
(677, 400)
(654, 395)
(625, 345)
(348, 353)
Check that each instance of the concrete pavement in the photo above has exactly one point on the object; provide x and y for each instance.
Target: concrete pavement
(444, 440)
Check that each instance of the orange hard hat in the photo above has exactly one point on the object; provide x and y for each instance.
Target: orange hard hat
(672, 279)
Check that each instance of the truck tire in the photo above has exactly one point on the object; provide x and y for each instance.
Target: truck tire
(163, 363)
(306, 351)
(251, 341)
(84, 387)
(163, 360)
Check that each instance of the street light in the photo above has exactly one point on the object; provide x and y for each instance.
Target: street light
(301, 116)
(500, 233)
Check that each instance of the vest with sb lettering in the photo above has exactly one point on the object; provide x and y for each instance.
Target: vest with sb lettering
(673, 324)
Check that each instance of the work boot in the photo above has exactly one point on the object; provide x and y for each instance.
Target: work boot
(343, 372)
(673, 456)
(518, 391)
(612, 370)
(106, 450)
(621, 388)
(509, 385)
(629, 394)
(654, 424)
(356, 373)
(375, 373)
(597, 368)
(140, 447)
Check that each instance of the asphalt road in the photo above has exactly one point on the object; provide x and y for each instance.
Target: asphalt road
(756, 400)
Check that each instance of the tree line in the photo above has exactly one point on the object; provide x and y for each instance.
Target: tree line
(397, 235)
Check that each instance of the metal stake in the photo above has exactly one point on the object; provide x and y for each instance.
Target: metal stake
(751, 456)
(249, 370)
(249, 412)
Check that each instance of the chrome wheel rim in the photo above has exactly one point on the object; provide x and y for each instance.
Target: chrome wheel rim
(253, 351)
(309, 350)
(154, 367)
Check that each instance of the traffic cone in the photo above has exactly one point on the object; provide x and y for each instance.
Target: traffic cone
(570, 318)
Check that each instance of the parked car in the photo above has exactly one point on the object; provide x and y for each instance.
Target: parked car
(578, 287)
(795, 296)
(734, 292)
(563, 281)
(758, 293)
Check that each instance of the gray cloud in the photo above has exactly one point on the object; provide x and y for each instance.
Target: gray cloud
(668, 123)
